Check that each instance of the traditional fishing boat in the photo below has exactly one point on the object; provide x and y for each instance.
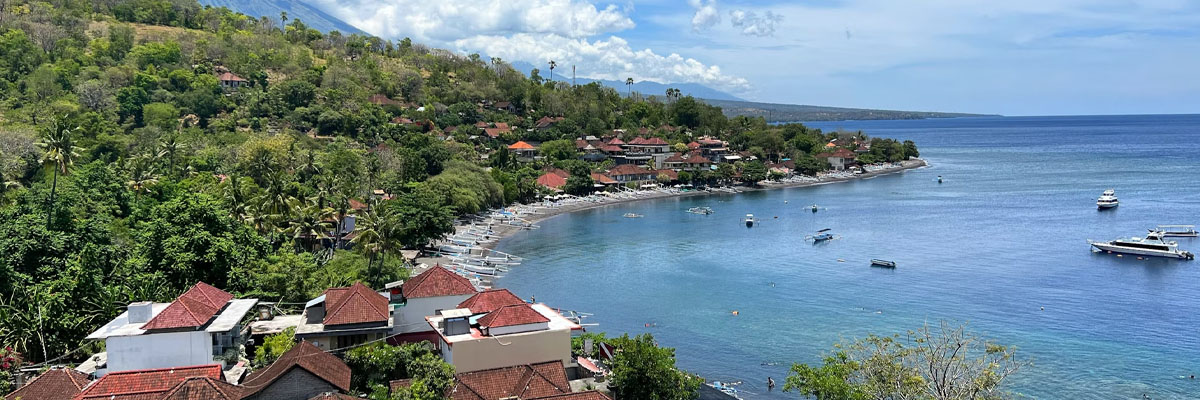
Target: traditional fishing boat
(875, 262)
(701, 210)
(821, 235)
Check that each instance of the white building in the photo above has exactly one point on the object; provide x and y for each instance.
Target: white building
(197, 328)
(424, 295)
(510, 335)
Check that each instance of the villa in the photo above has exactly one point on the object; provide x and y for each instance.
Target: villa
(423, 295)
(197, 328)
(511, 333)
(344, 317)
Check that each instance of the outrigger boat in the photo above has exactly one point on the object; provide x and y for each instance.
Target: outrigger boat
(821, 235)
(750, 220)
(632, 215)
(701, 210)
(815, 208)
(1153, 245)
(875, 262)
(1177, 230)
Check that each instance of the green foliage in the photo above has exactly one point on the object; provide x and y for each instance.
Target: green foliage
(273, 347)
(379, 363)
(556, 150)
(944, 363)
(753, 172)
(642, 370)
(156, 54)
(162, 115)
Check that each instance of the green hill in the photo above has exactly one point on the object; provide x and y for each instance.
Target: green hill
(793, 113)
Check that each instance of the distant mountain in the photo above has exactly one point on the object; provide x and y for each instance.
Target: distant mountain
(645, 87)
(793, 112)
(311, 16)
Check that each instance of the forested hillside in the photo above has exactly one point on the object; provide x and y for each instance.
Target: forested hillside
(146, 145)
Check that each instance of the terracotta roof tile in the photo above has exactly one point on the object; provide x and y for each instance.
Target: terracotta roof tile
(518, 314)
(55, 384)
(333, 396)
(204, 388)
(305, 356)
(521, 381)
(148, 384)
(192, 309)
(354, 305)
(589, 395)
(552, 180)
(520, 146)
(616, 142)
(490, 300)
(435, 282)
(229, 76)
(627, 169)
(602, 179)
(693, 145)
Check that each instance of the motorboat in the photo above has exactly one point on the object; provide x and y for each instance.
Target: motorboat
(632, 215)
(750, 220)
(815, 208)
(1178, 230)
(875, 262)
(821, 235)
(1107, 200)
(701, 210)
(939, 179)
(1152, 245)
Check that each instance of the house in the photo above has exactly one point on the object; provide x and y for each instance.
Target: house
(505, 106)
(653, 150)
(55, 383)
(511, 334)
(547, 122)
(626, 173)
(713, 149)
(344, 317)
(427, 293)
(197, 328)
(490, 300)
(524, 151)
(602, 180)
(687, 162)
(840, 159)
(554, 179)
(230, 81)
(300, 373)
(497, 129)
(528, 381)
(153, 384)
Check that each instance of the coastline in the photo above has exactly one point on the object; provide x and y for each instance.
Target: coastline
(502, 232)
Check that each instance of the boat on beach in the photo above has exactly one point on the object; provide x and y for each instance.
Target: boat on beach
(1152, 245)
(875, 262)
(1107, 200)
(1177, 230)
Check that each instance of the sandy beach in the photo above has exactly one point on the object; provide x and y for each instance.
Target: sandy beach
(542, 213)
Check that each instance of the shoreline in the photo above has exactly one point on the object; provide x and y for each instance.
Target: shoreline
(502, 232)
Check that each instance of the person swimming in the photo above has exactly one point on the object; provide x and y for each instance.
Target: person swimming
(770, 383)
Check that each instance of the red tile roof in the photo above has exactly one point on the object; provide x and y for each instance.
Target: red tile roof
(148, 384)
(693, 145)
(354, 305)
(204, 388)
(551, 180)
(669, 173)
(229, 76)
(560, 172)
(520, 146)
(502, 125)
(519, 314)
(580, 144)
(481, 125)
(436, 281)
(192, 309)
(649, 142)
(490, 300)
(54, 384)
(844, 153)
(608, 148)
(333, 396)
(696, 159)
(627, 169)
(616, 142)
(674, 158)
(602, 179)
(521, 381)
(494, 132)
(589, 395)
(305, 356)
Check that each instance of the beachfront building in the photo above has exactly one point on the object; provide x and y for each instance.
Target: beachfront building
(426, 294)
(510, 334)
(687, 162)
(626, 173)
(713, 149)
(344, 317)
(544, 380)
(199, 327)
(652, 151)
(839, 159)
(554, 179)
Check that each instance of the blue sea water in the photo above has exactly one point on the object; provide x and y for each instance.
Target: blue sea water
(1002, 238)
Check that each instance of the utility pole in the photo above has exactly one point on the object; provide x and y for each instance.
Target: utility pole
(572, 74)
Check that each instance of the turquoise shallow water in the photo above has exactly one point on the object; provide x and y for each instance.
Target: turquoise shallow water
(1004, 236)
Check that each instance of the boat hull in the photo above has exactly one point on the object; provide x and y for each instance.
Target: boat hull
(1105, 206)
(1182, 255)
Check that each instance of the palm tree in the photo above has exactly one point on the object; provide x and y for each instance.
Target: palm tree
(552, 66)
(274, 205)
(629, 87)
(310, 222)
(59, 152)
(372, 232)
(168, 149)
(141, 176)
(283, 18)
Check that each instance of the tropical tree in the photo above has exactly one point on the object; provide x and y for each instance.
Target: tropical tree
(309, 223)
(629, 87)
(553, 65)
(642, 370)
(142, 175)
(59, 153)
(373, 232)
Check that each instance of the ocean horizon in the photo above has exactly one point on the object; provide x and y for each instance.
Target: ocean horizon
(1000, 245)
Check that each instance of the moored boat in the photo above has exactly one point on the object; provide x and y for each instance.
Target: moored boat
(749, 220)
(821, 235)
(701, 210)
(1107, 200)
(1152, 245)
(1178, 230)
(875, 262)
(632, 215)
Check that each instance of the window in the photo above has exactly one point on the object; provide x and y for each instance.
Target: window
(350, 340)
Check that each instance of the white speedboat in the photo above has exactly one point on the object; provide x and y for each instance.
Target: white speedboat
(1152, 245)
(1108, 199)
(750, 220)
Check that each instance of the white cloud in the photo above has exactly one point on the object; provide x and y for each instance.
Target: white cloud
(706, 14)
(441, 21)
(610, 58)
(753, 25)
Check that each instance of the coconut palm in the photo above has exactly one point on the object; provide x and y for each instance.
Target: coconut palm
(274, 205)
(629, 87)
(168, 150)
(283, 18)
(552, 66)
(309, 223)
(374, 233)
(141, 175)
(58, 152)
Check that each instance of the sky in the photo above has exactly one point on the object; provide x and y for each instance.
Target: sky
(1011, 57)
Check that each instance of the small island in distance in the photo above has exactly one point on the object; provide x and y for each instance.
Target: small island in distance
(794, 112)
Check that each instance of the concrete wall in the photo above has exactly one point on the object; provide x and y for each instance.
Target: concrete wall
(159, 350)
(411, 317)
(505, 330)
(508, 350)
(296, 384)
